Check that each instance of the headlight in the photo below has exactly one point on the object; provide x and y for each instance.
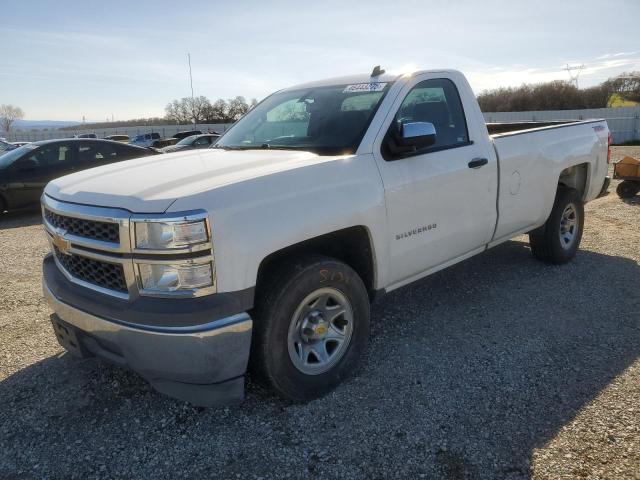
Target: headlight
(159, 235)
(164, 278)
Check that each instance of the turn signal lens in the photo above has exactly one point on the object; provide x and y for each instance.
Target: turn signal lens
(166, 278)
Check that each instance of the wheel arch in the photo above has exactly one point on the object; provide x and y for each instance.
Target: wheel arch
(352, 245)
(576, 177)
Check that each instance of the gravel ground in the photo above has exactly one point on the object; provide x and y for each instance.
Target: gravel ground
(499, 367)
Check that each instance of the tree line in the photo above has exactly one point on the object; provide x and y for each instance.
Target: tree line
(201, 110)
(561, 95)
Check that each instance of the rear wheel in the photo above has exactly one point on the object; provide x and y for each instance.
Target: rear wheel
(557, 241)
(311, 328)
(628, 189)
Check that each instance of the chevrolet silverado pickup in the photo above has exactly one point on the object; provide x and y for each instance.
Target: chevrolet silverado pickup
(263, 253)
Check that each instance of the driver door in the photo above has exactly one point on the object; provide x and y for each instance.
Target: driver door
(440, 208)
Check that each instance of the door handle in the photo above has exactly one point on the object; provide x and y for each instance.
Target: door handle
(478, 162)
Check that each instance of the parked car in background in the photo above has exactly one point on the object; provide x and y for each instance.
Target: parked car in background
(118, 138)
(164, 142)
(145, 139)
(185, 134)
(193, 142)
(85, 135)
(25, 170)
(19, 144)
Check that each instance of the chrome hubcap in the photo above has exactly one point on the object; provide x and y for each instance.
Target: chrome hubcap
(568, 226)
(320, 331)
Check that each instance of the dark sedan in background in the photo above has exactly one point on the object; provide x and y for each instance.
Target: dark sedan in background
(204, 140)
(25, 171)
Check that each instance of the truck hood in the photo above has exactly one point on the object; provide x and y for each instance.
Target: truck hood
(152, 184)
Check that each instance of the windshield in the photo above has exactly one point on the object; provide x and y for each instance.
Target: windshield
(13, 155)
(187, 140)
(325, 120)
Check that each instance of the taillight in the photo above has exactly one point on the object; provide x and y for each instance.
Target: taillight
(609, 148)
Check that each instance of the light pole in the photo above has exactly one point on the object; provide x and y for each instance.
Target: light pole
(192, 100)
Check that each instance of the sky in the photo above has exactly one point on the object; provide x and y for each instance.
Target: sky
(67, 59)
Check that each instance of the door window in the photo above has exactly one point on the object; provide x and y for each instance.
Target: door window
(97, 152)
(124, 152)
(51, 155)
(435, 101)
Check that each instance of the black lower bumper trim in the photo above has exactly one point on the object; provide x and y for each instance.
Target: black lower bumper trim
(156, 312)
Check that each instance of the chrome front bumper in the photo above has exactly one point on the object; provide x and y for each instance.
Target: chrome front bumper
(203, 364)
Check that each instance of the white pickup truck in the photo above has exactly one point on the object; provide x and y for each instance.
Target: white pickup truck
(266, 250)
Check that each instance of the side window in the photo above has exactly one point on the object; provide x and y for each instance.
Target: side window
(51, 155)
(435, 101)
(125, 152)
(98, 152)
(202, 141)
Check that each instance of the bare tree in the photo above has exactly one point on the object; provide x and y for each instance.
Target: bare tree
(196, 107)
(253, 103)
(237, 108)
(187, 109)
(555, 95)
(627, 85)
(175, 111)
(217, 112)
(8, 115)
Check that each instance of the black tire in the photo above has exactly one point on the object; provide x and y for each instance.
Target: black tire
(276, 305)
(628, 189)
(3, 205)
(546, 242)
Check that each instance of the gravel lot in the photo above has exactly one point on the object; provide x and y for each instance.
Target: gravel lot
(500, 367)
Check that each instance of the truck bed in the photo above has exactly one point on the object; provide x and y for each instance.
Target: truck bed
(499, 128)
(531, 158)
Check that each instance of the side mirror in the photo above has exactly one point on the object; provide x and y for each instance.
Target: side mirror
(417, 134)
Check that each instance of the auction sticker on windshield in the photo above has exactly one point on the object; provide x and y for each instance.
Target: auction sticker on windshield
(365, 87)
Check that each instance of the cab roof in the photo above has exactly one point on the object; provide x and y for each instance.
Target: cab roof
(360, 78)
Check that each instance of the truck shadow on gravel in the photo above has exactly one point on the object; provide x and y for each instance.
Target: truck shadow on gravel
(469, 371)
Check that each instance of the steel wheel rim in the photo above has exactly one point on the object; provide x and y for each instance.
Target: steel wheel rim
(320, 331)
(568, 226)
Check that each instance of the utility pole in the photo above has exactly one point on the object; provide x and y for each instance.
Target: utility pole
(574, 78)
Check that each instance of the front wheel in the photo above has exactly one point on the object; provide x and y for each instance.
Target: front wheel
(557, 241)
(311, 328)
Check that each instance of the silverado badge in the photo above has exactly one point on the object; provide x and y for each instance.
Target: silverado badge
(61, 244)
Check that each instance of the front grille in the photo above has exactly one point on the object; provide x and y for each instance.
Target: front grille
(105, 231)
(102, 274)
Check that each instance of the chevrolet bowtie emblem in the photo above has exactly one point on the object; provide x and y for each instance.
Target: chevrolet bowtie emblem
(61, 244)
